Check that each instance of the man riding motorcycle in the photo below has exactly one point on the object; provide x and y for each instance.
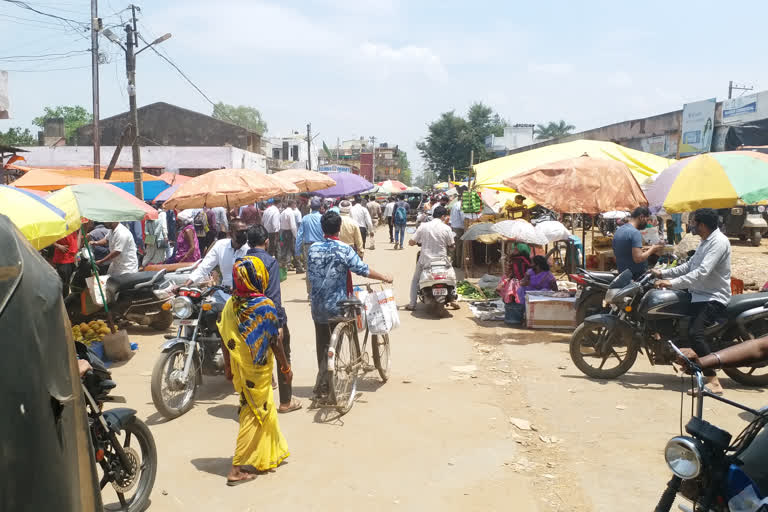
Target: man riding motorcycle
(707, 276)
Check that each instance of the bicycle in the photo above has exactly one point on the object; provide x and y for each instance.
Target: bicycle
(346, 359)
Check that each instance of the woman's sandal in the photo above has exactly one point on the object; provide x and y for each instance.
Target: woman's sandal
(250, 477)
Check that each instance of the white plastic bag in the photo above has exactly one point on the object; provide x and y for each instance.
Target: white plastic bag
(93, 289)
(382, 312)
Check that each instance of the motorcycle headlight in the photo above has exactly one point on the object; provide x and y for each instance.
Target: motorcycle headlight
(181, 307)
(683, 457)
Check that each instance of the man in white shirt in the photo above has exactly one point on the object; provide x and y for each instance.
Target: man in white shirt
(223, 254)
(389, 210)
(436, 239)
(457, 225)
(288, 231)
(270, 219)
(362, 218)
(122, 250)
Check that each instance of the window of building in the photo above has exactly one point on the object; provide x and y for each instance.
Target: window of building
(276, 153)
(295, 153)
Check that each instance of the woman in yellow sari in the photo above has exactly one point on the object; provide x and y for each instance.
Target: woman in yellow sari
(249, 328)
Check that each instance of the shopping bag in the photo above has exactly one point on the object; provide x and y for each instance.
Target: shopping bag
(382, 312)
(93, 289)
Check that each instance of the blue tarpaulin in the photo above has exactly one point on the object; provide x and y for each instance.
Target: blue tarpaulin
(151, 188)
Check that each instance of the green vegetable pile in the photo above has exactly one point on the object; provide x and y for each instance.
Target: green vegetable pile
(470, 291)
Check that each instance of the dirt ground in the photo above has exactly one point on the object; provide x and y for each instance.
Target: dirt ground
(476, 416)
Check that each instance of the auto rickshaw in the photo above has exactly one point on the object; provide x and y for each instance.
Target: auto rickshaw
(747, 222)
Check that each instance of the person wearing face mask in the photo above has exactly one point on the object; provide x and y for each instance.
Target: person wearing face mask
(223, 254)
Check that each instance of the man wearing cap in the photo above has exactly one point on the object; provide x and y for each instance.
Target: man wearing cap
(362, 217)
(350, 231)
(310, 231)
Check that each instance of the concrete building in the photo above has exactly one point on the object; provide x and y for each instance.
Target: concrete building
(163, 124)
(187, 160)
(515, 136)
(289, 152)
(358, 155)
(738, 122)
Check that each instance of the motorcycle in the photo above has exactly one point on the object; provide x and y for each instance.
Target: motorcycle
(123, 445)
(136, 297)
(592, 288)
(196, 350)
(708, 465)
(642, 317)
(437, 285)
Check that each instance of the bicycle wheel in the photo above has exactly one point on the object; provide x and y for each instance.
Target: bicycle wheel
(344, 367)
(381, 356)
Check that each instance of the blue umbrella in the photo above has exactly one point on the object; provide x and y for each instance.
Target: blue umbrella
(347, 184)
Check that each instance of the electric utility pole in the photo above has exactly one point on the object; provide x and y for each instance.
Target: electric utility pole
(309, 146)
(95, 28)
(733, 87)
(131, 43)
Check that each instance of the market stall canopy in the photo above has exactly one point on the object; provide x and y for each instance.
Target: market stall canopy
(41, 222)
(306, 181)
(552, 231)
(392, 187)
(228, 188)
(711, 180)
(616, 214)
(101, 202)
(442, 186)
(39, 179)
(173, 178)
(414, 190)
(476, 230)
(493, 172)
(581, 185)
(87, 172)
(347, 184)
(165, 194)
(151, 189)
(519, 231)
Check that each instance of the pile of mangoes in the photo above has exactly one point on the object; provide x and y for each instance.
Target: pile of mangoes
(90, 332)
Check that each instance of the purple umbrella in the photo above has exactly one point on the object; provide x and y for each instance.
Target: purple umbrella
(347, 184)
(165, 194)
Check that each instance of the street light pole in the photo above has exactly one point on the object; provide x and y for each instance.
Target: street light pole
(130, 68)
(95, 27)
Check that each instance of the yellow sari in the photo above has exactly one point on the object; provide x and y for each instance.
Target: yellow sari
(259, 442)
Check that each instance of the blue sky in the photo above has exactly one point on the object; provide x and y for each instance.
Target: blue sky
(388, 67)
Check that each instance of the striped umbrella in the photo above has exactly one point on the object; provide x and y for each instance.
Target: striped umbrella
(38, 220)
(711, 180)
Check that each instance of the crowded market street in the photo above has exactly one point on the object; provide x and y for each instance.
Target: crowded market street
(438, 434)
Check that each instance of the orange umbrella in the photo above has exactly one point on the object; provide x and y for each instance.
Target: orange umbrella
(306, 181)
(47, 180)
(581, 185)
(172, 178)
(229, 188)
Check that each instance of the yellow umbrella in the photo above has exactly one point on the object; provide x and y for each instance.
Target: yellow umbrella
(39, 221)
(491, 174)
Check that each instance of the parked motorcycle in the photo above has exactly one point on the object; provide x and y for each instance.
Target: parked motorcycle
(123, 445)
(708, 465)
(136, 297)
(437, 285)
(644, 318)
(195, 351)
(591, 293)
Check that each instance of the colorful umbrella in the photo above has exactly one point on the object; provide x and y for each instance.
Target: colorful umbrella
(519, 231)
(165, 194)
(552, 230)
(711, 180)
(100, 202)
(347, 184)
(478, 229)
(414, 190)
(228, 188)
(581, 185)
(306, 181)
(392, 187)
(39, 221)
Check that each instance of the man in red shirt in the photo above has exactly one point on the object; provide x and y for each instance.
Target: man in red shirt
(64, 252)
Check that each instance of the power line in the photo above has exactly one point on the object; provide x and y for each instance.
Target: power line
(45, 70)
(45, 56)
(26, 6)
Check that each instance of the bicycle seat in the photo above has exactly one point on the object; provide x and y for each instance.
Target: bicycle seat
(350, 303)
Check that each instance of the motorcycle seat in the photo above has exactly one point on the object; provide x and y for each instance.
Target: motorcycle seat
(349, 302)
(603, 277)
(741, 303)
(128, 281)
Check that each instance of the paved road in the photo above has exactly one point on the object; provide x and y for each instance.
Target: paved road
(438, 435)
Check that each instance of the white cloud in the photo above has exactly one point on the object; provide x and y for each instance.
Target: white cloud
(552, 68)
(388, 60)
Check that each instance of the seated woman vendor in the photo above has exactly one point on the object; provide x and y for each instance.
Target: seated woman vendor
(537, 278)
(518, 262)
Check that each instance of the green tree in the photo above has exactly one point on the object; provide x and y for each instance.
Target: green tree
(74, 117)
(405, 167)
(451, 139)
(553, 130)
(241, 115)
(18, 137)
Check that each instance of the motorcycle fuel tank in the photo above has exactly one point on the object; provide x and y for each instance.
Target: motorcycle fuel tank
(665, 304)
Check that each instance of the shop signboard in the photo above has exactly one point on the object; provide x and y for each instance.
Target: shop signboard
(334, 168)
(697, 127)
(744, 109)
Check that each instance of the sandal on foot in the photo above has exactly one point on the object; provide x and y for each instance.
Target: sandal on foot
(295, 405)
(250, 478)
(695, 392)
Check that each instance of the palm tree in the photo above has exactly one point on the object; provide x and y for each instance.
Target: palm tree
(553, 130)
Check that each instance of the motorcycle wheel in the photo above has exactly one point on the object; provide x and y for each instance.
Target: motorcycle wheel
(136, 433)
(170, 400)
(757, 236)
(589, 306)
(750, 375)
(162, 321)
(597, 344)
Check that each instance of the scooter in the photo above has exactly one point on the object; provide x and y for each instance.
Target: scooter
(591, 293)
(136, 297)
(437, 286)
